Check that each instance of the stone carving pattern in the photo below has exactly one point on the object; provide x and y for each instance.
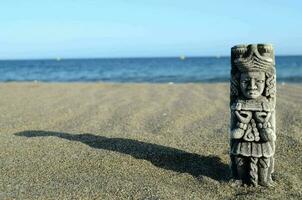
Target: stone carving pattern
(252, 105)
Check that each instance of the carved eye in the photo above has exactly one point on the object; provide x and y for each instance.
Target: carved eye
(245, 80)
(260, 81)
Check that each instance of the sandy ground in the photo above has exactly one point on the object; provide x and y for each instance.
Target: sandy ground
(133, 141)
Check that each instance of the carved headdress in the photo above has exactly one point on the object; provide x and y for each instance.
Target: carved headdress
(253, 57)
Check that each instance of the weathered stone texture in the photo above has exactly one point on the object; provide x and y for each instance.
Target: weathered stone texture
(252, 105)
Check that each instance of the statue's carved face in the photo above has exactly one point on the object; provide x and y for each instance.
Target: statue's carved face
(252, 84)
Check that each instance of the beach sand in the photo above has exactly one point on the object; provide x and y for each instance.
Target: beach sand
(133, 141)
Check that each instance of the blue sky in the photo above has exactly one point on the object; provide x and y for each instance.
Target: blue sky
(145, 28)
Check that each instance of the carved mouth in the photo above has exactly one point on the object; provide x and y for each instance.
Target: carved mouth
(252, 92)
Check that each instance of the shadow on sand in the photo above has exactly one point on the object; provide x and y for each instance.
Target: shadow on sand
(160, 156)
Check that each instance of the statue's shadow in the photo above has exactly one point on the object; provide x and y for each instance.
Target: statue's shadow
(160, 156)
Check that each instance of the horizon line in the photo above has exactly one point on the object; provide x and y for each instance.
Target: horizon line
(129, 57)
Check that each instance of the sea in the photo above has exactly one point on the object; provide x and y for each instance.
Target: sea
(137, 70)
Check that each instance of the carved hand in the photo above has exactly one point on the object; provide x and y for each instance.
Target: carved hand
(266, 133)
(244, 116)
(262, 117)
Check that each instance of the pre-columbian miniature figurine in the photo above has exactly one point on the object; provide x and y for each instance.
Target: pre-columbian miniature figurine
(252, 104)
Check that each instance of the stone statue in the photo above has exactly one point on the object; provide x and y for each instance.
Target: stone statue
(252, 104)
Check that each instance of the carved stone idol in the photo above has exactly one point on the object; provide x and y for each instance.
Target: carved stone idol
(252, 104)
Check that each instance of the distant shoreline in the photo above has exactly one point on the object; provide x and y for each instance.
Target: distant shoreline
(279, 83)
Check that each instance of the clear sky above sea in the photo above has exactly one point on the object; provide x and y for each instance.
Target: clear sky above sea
(145, 28)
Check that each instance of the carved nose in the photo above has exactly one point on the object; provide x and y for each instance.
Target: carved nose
(252, 85)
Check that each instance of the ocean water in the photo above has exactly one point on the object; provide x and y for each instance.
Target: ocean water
(137, 70)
